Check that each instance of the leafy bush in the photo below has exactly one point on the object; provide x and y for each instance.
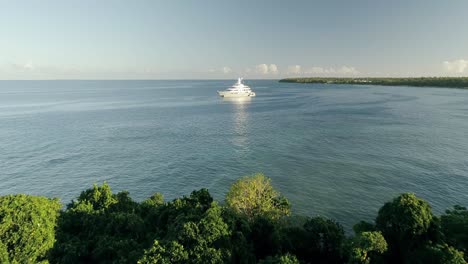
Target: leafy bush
(255, 196)
(27, 228)
(254, 227)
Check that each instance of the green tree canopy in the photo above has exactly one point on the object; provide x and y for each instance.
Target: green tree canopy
(280, 259)
(100, 227)
(265, 237)
(168, 253)
(103, 227)
(254, 196)
(363, 226)
(27, 227)
(325, 237)
(403, 222)
(454, 225)
(99, 197)
(197, 237)
(437, 254)
(366, 245)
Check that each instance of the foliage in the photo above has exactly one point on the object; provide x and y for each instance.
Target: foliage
(102, 227)
(99, 197)
(254, 196)
(403, 222)
(194, 236)
(437, 254)
(4, 258)
(265, 237)
(325, 240)
(239, 243)
(154, 201)
(27, 226)
(171, 252)
(454, 225)
(451, 82)
(296, 240)
(319, 240)
(366, 245)
(280, 259)
(363, 226)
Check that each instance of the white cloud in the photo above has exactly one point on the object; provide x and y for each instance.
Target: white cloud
(294, 69)
(315, 70)
(455, 66)
(29, 70)
(262, 68)
(273, 69)
(266, 69)
(343, 70)
(28, 66)
(347, 70)
(226, 70)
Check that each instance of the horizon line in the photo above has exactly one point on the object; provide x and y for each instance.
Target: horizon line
(226, 79)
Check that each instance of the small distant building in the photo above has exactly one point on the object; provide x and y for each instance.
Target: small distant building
(362, 81)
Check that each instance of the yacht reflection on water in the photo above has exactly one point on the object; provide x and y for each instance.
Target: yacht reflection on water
(240, 122)
(238, 100)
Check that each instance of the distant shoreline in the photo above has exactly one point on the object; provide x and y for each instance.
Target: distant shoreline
(446, 82)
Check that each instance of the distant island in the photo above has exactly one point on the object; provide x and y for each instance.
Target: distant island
(449, 82)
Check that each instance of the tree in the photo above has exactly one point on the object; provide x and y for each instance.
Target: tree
(101, 227)
(240, 244)
(454, 225)
(265, 237)
(4, 258)
(437, 254)
(296, 240)
(100, 197)
(27, 227)
(280, 259)
(169, 253)
(366, 245)
(155, 200)
(205, 239)
(363, 226)
(318, 240)
(404, 222)
(192, 238)
(325, 237)
(254, 196)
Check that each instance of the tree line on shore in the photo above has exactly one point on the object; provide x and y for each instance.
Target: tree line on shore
(253, 225)
(449, 82)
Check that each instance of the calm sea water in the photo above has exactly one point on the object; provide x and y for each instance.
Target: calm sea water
(334, 150)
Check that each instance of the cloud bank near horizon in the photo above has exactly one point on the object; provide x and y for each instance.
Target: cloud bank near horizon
(265, 70)
(456, 66)
(30, 70)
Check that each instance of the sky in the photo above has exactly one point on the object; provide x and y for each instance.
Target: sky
(219, 39)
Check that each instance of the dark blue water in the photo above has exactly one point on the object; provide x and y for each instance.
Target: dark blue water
(334, 150)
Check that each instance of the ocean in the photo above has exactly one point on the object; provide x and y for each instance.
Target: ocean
(338, 151)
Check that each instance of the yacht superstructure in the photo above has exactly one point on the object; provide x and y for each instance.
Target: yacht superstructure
(237, 90)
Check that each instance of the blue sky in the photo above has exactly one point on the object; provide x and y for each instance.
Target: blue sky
(88, 39)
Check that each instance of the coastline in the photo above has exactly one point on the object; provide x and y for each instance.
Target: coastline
(441, 82)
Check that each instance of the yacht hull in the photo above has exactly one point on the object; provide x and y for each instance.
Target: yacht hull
(228, 94)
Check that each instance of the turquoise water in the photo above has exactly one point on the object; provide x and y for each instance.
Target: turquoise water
(334, 150)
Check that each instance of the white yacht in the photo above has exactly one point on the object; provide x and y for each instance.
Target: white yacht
(237, 90)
